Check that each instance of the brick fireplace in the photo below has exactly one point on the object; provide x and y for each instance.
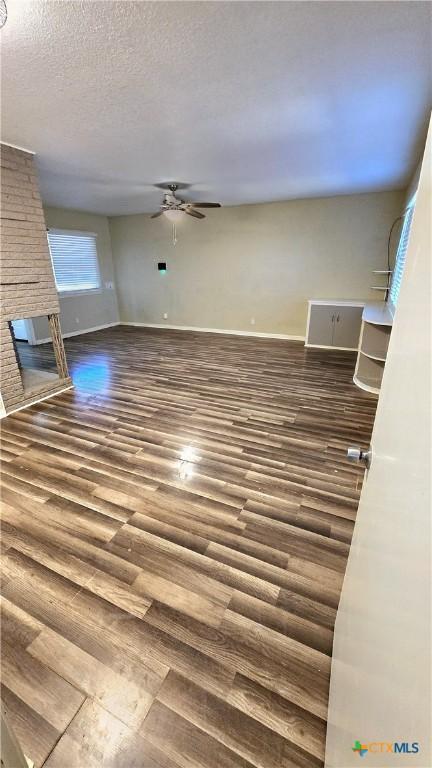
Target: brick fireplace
(27, 286)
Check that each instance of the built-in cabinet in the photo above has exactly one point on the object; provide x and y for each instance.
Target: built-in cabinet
(334, 323)
(375, 333)
(353, 325)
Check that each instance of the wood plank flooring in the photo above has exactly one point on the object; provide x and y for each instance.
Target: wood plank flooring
(175, 534)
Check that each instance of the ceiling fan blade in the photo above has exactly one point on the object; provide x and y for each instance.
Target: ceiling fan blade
(196, 214)
(155, 215)
(206, 205)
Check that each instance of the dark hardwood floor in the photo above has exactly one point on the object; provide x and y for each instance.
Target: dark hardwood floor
(175, 534)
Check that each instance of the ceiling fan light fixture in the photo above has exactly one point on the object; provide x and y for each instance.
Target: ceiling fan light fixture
(175, 209)
(174, 215)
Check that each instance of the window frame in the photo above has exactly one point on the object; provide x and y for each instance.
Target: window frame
(64, 292)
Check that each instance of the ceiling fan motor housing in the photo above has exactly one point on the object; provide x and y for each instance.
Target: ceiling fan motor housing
(170, 199)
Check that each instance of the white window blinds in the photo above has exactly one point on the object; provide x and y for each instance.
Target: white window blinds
(74, 260)
(401, 255)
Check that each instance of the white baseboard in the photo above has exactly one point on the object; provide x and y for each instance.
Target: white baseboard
(34, 402)
(288, 337)
(80, 332)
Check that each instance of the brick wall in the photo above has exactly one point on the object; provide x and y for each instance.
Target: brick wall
(27, 281)
(27, 287)
(11, 384)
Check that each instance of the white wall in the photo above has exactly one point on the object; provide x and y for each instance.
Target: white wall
(81, 312)
(20, 329)
(254, 261)
(380, 689)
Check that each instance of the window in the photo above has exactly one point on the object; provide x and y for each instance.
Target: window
(74, 260)
(401, 254)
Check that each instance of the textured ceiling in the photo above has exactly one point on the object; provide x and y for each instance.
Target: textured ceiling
(246, 101)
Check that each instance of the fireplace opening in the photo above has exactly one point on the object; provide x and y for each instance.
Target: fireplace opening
(37, 363)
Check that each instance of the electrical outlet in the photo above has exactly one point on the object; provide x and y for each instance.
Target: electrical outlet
(165, 316)
(252, 321)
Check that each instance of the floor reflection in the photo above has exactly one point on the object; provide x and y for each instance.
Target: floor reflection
(186, 465)
(92, 375)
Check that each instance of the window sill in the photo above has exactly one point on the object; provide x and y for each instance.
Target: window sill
(85, 292)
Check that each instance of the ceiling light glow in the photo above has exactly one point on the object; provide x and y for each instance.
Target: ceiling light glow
(174, 215)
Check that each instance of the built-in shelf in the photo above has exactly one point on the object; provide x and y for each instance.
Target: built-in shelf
(382, 288)
(377, 313)
(367, 384)
(374, 355)
(369, 373)
(374, 340)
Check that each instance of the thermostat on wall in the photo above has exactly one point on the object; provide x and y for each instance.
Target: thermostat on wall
(162, 267)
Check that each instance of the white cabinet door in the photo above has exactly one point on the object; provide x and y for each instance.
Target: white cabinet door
(381, 667)
(347, 327)
(334, 325)
(321, 325)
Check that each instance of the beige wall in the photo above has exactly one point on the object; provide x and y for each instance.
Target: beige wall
(255, 261)
(101, 307)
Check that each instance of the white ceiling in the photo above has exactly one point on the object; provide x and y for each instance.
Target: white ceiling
(246, 101)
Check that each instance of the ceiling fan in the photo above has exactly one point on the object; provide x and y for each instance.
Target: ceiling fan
(174, 208)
